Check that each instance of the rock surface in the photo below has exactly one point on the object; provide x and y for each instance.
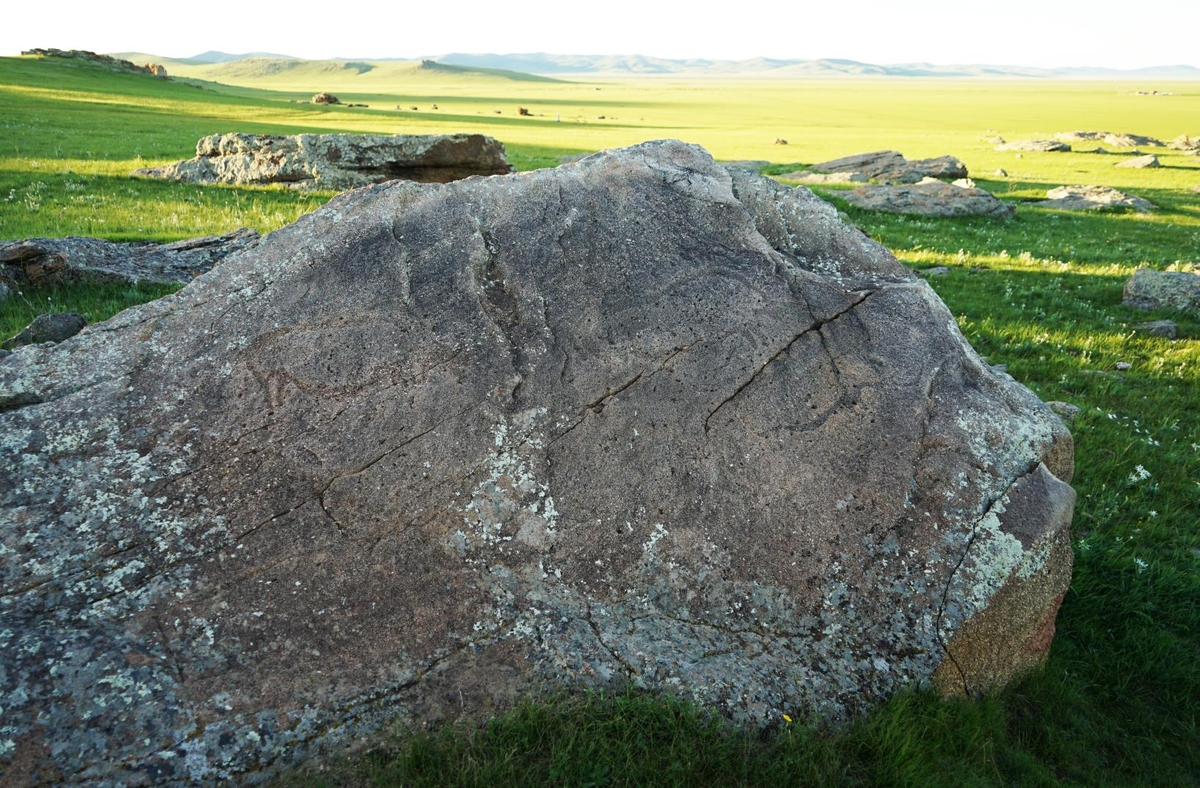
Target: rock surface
(637, 419)
(931, 198)
(1150, 289)
(1043, 146)
(52, 261)
(337, 161)
(52, 327)
(889, 166)
(1092, 198)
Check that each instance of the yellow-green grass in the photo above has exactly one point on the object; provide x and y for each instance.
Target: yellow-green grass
(1119, 700)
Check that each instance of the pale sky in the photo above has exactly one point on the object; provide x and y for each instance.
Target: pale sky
(1016, 32)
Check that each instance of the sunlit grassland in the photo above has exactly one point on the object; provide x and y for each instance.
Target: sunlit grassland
(1041, 293)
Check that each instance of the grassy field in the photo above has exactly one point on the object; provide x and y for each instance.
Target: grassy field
(1118, 702)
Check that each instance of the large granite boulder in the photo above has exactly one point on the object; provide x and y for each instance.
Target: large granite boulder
(889, 166)
(637, 419)
(55, 261)
(336, 161)
(930, 198)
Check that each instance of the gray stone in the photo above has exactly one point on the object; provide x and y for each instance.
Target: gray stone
(52, 327)
(1150, 289)
(1093, 198)
(1066, 410)
(937, 270)
(1043, 146)
(54, 261)
(1117, 140)
(931, 198)
(336, 161)
(888, 166)
(1140, 162)
(431, 448)
(1159, 328)
(1185, 143)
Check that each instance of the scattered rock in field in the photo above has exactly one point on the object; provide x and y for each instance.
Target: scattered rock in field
(931, 198)
(937, 270)
(963, 183)
(1122, 366)
(1109, 138)
(889, 166)
(1150, 289)
(1066, 410)
(808, 176)
(781, 141)
(52, 261)
(1092, 198)
(1184, 143)
(1001, 173)
(1159, 328)
(1140, 163)
(1043, 146)
(336, 161)
(430, 447)
(326, 98)
(52, 327)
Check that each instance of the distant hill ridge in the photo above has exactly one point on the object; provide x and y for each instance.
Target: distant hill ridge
(540, 65)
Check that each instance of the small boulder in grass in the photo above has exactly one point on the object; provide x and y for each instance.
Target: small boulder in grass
(53, 327)
(1123, 366)
(1065, 410)
(1159, 328)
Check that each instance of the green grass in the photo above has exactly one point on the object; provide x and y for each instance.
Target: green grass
(1118, 701)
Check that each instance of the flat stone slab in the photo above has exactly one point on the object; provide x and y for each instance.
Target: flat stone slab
(1093, 198)
(54, 261)
(1036, 146)
(928, 199)
(336, 161)
(889, 166)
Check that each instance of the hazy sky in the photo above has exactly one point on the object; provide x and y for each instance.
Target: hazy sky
(1016, 32)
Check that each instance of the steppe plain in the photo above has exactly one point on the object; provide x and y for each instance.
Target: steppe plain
(1041, 293)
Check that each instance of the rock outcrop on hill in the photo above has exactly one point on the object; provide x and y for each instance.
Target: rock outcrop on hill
(337, 161)
(636, 419)
(929, 198)
(889, 166)
(1093, 198)
(53, 261)
(108, 61)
